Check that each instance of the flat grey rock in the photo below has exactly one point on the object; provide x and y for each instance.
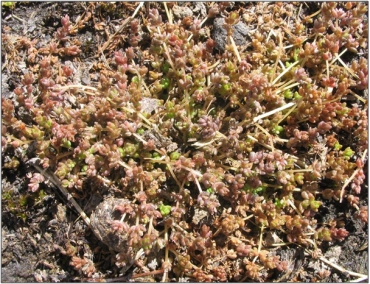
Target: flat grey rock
(219, 34)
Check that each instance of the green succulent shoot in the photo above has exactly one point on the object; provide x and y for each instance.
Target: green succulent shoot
(165, 210)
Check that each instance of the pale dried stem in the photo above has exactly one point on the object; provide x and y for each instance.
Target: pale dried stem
(166, 260)
(55, 180)
(269, 147)
(257, 118)
(358, 97)
(173, 175)
(68, 87)
(168, 13)
(120, 29)
(213, 66)
(339, 268)
(294, 207)
(286, 88)
(259, 243)
(167, 52)
(286, 115)
(123, 164)
(284, 72)
(197, 182)
(279, 54)
(139, 114)
(235, 48)
(140, 275)
(201, 24)
(337, 57)
(267, 134)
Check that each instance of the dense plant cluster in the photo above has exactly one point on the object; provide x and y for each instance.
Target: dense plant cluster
(212, 150)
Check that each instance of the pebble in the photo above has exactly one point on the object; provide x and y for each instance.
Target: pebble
(219, 34)
(182, 12)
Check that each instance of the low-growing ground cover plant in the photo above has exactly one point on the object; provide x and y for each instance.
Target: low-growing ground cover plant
(213, 156)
